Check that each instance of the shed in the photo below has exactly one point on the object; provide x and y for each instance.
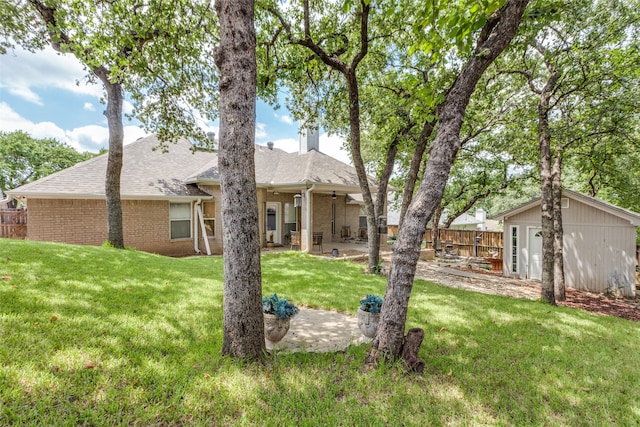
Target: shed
(599, 243)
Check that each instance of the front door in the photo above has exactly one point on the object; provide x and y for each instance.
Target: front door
(535, 253)
(273, 223)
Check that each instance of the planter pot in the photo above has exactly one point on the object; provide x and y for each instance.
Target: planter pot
(275, 328)
(368, 323)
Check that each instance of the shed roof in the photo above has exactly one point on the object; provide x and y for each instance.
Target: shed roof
(632, 217)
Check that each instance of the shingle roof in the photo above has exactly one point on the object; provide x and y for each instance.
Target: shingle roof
(146, 173)
(275, 167)
(149, 173)
(632, 217)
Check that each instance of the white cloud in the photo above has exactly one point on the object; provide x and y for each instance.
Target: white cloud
(86, 138)
(26, 94)
(89, 106)
(333, 145)
(261, 130)
(285, 118)
(290, 145)
(10, 120)
(127, 107)
(23, 71)
(329, 144)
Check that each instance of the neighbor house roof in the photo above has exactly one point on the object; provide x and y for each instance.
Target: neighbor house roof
(153, 174)
(393, 218)
(632, 217)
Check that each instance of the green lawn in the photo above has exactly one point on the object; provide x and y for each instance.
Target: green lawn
(98, 336)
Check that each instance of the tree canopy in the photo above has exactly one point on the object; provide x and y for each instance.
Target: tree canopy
(24, 159)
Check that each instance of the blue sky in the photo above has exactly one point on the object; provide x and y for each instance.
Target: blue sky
(46, 95)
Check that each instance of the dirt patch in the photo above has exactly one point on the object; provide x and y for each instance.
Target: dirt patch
(626, 308)
(492, 282)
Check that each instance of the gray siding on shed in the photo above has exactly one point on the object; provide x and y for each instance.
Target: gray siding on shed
(599, 247)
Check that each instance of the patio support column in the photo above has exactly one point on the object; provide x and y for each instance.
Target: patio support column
(306, 240)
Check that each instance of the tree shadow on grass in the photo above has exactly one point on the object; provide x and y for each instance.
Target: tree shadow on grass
(152, 329)
(529, 362)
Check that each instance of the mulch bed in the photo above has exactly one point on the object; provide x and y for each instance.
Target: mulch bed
(626, 308)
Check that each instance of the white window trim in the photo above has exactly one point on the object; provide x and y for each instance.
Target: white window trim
(514, 250)
(181, 219)
(287, 214)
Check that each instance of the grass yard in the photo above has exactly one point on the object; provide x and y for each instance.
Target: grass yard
(98, 336)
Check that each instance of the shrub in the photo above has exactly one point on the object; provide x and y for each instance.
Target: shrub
(371, 303)
(279, 307)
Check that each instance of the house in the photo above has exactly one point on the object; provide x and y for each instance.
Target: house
(599, 243)
(463, 222)
(171, 201)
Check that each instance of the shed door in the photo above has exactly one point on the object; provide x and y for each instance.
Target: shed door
(535, 253)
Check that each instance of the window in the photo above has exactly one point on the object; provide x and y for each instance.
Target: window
(290, 218)
(209, 215)
(180, 218)
(564, 203)
(514, 249)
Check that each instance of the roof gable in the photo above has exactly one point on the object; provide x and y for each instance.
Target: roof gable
(150, 173)
(276, 168)
(625, 214)
(146, 173)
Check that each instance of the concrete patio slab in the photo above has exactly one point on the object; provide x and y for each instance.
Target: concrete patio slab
(320, 331)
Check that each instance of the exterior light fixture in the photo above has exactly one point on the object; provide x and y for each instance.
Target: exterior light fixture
(333, 195)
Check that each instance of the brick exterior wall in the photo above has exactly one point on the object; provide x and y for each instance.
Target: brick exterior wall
(345, 215)
(147, 227)
(145, 222)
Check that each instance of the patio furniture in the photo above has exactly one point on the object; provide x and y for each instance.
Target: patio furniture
(362, 234)
(345, 234)
(449, 249)
(295, 239)
(316, 240)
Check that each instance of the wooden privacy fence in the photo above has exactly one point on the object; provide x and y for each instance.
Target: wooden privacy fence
(489, 244)
(13, 223)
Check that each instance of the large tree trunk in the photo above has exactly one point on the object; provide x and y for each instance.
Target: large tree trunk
(61, 42)
(544, 142)
(494, 37)
(414, 168)
(558, 245)
(373, 238)
(349, 72)
(235, 57)
(435, 229)
(113, 112)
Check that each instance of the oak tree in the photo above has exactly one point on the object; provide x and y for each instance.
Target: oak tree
(235, 57)
(154, 50)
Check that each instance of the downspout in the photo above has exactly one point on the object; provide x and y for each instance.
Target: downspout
(308, 219)
(196, 247)
(200, 216)
(6, 199)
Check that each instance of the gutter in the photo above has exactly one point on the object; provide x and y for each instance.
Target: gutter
(6, 199)
(308, 218)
